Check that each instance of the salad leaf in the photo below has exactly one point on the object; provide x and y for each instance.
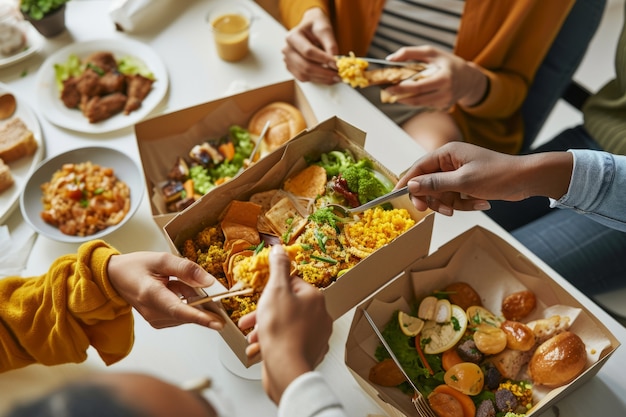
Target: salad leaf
(129, 65)
(70, 68)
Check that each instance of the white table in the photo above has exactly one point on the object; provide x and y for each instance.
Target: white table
(196, 76)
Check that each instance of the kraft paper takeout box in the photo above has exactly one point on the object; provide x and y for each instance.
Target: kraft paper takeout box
(269, 173)
(162, 139)
(495, 269)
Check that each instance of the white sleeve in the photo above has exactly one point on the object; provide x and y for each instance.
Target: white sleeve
(310, 396)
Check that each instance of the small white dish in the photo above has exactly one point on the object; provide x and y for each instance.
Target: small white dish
(125, 169)
(24, 167)
(34, 42)
(57, 113)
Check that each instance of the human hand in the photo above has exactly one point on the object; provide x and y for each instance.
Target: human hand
(461, 176)
(311, 48)
(143, 280)
(291, 326)
(454, 81)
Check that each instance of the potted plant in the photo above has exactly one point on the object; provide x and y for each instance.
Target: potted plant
(47, 16)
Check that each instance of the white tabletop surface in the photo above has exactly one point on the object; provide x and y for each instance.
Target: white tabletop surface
(196, 75)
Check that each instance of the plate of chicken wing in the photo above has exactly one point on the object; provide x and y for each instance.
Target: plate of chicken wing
(100, 86)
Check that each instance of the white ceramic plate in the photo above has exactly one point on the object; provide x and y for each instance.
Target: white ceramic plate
(124, 167)
(22, 168)
(34, 42)
(55, 111)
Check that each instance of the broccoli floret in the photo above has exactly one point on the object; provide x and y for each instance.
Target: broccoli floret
(369, 189)
(202, 181)
(243, 143)
(363, 181)
(335, 162)
(225, 170)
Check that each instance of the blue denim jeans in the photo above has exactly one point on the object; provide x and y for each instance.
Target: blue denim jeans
(589, 255)
(558, 67)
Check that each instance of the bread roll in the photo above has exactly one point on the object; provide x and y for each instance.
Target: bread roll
(6, 178)
(544, 329)
(518, 305)
(285, 122)
(558, 360)
(518, 335)
(463, 295)
(16, 140)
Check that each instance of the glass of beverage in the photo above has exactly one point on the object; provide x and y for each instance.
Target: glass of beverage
(230, 24)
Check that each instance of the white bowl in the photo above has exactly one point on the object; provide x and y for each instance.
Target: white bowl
(124, 167)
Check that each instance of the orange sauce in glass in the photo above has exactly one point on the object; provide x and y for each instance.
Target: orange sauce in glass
(231, 33)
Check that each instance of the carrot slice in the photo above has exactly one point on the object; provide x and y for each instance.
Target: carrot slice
(469, 408)
(188, 187)
(422, 357)
(449, 358)
(227, 150)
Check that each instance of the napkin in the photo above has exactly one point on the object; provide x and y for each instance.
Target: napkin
(15, 248)
(134, 15)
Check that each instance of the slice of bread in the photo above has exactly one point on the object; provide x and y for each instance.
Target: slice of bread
(16, 140)
(6, 179)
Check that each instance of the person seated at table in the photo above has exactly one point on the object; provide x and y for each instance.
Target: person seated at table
(87, 299)
(590, 183)
(586, 253)
(487, 53)
(291, 329)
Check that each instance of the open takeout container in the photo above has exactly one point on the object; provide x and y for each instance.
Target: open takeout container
(269, 173)
(162, 139)
(494, 269)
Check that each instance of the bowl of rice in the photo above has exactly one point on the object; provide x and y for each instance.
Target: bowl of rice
(82, 194)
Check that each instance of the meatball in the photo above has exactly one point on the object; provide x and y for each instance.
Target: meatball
(486, 409)
(468, 351)
(505, 401)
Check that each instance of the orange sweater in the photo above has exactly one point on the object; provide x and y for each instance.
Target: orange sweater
(54, 318)
(507, 38)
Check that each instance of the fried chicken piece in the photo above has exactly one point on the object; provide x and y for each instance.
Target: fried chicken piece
(88, 83)
(112, 82)
(100, 108)
(70, 94)
(138, 88)
(103, 60)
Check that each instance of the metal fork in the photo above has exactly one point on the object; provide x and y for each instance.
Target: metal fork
(346, 211)
(388, 63)
(418, 400)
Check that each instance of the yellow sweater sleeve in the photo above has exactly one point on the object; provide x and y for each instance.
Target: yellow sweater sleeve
(54, 318)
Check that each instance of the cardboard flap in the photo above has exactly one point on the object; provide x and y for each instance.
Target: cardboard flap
(162, 139)
(379, 270)
(494, 269)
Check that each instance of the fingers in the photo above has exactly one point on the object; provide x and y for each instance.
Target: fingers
(427, 164)
(446, 203)
(181, 313)
(414, 53)
(279, 268)
(185, 270)
(247, 321)
(253, 349)
(305, 70)
(310, 50)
